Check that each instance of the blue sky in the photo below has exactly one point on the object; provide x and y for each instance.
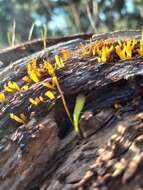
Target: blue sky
(130, 6)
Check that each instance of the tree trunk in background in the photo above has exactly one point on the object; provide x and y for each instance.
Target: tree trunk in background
(46, 153)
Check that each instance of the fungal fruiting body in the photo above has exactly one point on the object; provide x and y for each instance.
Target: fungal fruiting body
(104, 51)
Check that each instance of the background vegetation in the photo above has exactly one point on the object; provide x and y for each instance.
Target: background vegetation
(64, 17)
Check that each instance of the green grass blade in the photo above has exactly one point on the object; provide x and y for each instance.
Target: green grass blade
(9, 38)
(31, 31)
(79, 104)
(43, 35)
(13, 33)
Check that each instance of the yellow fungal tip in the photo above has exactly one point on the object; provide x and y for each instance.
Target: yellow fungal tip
(20, 119)
(59, 61)
(2, 97)
(50, 95)
(11, 87)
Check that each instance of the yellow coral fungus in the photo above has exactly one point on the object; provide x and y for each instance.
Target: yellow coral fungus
(32, 101)
(36, 101)
(41, 98)
(66, 53)
(7, 89)
(11, 87)
(33, 71)
(140, 51)
(124, 50)
(42, 68)
(2, 97)
(49, 67)
(48, 85)
(27, 79)
(120, 52)
(50, 95)
(59, 61)
(25, 87)
(105, 54)
(33, 76)
(94, 50)
(129, 46)
(83, 49)
(23, 117)
(20, 119)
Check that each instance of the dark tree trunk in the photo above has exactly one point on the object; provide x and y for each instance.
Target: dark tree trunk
(46, 153)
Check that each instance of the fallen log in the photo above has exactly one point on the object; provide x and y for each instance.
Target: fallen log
(11, 54)
(46, 153)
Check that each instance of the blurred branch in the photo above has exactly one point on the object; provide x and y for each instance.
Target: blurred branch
(47, 6)
(92, 17)
(75, 15)
(55, 4)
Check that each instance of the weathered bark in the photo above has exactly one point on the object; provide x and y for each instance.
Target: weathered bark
(47, 154)
(12, 54)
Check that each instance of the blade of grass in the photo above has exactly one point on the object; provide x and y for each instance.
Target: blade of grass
(9, 38)
(31, 31)
(43, 34)
(79, 104)
(13, 33)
